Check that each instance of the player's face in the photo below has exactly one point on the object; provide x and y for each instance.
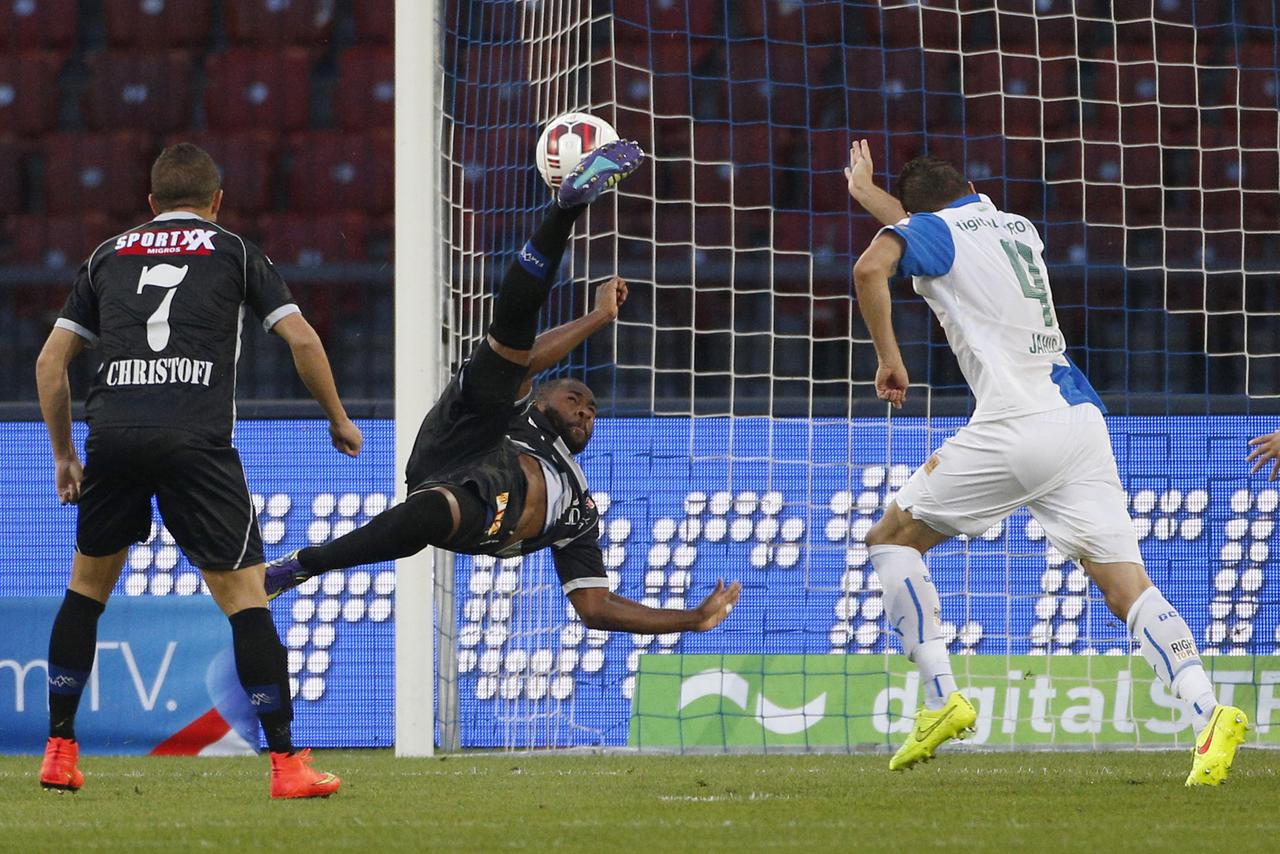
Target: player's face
(571, 409)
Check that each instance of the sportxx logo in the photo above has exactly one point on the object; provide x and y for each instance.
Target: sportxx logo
(171, 241)
(64, 682)
(737, 690)
(261, 699)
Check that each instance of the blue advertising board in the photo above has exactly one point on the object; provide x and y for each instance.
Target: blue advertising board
(781, 504)
(164, 679)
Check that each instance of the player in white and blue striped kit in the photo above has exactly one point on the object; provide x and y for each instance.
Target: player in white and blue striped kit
(1037, 439)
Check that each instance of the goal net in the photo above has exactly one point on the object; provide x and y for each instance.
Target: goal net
(740, 436)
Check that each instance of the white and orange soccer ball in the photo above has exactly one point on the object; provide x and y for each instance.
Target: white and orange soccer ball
(566, 140)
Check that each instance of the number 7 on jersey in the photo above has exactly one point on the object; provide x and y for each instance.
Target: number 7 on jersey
(161, 276)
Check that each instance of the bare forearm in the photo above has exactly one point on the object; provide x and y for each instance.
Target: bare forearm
(554, 344)
(313, 368)
(620, 614)
(875, 304)
(55, 406)
(880, 204)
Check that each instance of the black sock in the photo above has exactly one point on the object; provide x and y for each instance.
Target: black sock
(529, 278)
(263, 668)
(72, 645)
(423, 519)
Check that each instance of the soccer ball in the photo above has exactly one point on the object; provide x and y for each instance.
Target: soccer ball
(566, 140)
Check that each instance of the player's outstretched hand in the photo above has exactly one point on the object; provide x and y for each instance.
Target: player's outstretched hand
(68, 474)
(859, 172)
(346, 437)
(891, 384)
(610, 296)
(1266, 449)
(717, 605)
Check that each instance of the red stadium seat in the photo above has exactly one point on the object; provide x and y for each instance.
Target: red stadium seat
(139, 91)
(151, 24)
(58, 241)
(748, 60)
(309, 240)
(792, 231)
(270, 22)
(365, 97)
(29, 92)
(675, 16)
(10, 177)
(335, 171)
(751, 144)
(103, 172)
(252, 89)
(247, 160)
(38, 23)
(375, 21)
(788, 63)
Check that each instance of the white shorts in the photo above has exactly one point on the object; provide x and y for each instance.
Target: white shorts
(1058, 464)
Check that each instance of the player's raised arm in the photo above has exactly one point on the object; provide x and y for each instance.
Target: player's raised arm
(554, 344)
(601, 609)
(313, 367)
(55, 405)
(862, 186)
(871, 281)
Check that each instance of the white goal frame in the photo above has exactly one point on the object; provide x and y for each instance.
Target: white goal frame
(419, 354)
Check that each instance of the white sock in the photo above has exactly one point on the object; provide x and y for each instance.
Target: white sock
(1169, 648)
(915, 616)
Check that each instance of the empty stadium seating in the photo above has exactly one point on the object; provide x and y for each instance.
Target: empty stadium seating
(250, 88)
(29, 91)
(102, 172)
(139, 91)
(152, 24)
(26, 24)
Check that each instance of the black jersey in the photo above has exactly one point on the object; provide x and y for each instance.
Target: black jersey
(165, 303)
(473, 437)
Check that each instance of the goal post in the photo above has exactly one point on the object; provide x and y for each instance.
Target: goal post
(419, 357)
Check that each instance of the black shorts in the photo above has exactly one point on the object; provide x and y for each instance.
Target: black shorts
(469, 419)
(198, 484)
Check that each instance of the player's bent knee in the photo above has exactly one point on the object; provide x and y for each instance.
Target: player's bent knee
(236, 590)
(1121, 583)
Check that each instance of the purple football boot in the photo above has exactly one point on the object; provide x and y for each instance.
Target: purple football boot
(284, 573)
(598, 171)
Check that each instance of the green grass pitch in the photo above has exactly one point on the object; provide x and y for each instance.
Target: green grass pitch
(620, 802)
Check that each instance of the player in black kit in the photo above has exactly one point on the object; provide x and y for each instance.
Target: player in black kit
(164, 303)
(492, 470)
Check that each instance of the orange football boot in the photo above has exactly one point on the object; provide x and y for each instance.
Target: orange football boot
(293, 777)
(59, 771)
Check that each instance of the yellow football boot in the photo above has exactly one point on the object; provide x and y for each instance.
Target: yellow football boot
(932, 728)
(1216, 746)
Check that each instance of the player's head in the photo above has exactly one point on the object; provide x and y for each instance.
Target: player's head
(571, 408)
(184, 177)
(929, 184)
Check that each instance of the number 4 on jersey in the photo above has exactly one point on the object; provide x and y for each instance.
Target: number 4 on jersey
(161, 276)
(1023, 260)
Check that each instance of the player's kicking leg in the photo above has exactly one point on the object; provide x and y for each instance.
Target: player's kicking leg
(436, 516)
(896, 545)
